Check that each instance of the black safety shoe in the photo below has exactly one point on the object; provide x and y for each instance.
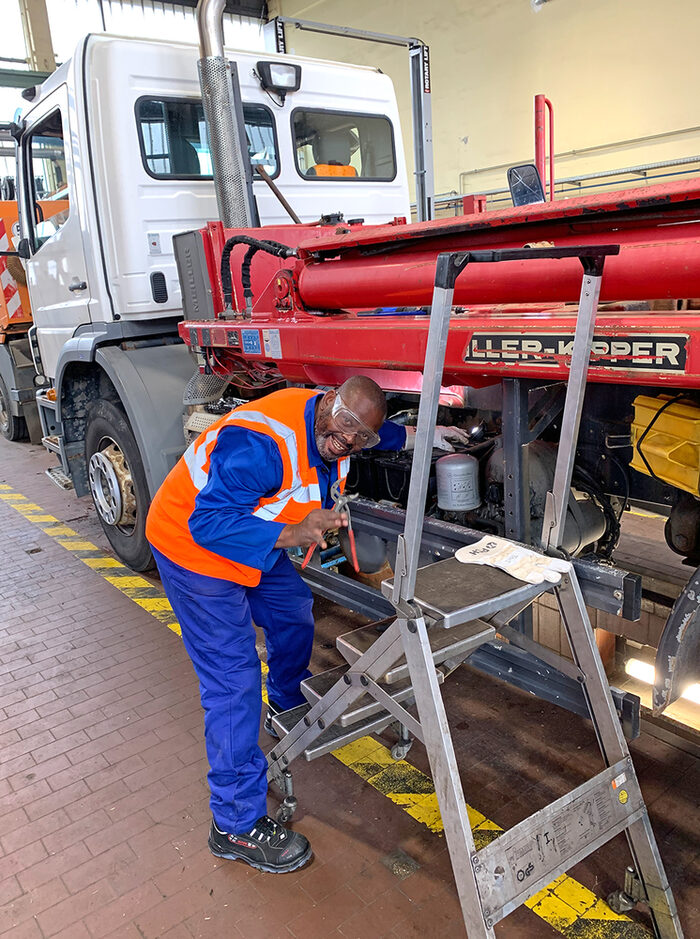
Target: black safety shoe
(272, 709)
(267, 846)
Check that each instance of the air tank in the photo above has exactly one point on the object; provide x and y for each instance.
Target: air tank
(457, 482)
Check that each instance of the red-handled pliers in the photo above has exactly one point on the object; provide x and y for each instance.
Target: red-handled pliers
(341, 503)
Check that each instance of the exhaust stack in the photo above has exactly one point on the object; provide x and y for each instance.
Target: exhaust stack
(223, 112)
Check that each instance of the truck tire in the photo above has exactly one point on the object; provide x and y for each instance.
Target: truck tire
(117, 483)
(11, 427)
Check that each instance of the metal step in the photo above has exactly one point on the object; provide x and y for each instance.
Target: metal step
(315, 687)
(46, 402)
(335, 736)
(454, 593)
(445, 643)
(52, 443)
(57, 476)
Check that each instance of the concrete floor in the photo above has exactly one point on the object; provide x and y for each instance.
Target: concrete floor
(103, 801)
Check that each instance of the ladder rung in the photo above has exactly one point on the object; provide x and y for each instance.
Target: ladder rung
(315, 687)
(456, 593)
(445, 643)
(334, 736)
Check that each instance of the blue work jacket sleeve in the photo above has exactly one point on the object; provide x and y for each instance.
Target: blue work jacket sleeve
(245, 466)
(391, 436)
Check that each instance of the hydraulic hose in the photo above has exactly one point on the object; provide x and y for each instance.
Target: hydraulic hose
(254, 245)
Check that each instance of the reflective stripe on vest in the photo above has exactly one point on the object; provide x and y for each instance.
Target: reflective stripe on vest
(167, 525)
(196, 459)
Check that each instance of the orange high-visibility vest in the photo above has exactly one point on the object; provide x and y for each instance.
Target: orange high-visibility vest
(280, 415)
(333, 169)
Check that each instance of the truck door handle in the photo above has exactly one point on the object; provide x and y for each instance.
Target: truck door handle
(77, 285)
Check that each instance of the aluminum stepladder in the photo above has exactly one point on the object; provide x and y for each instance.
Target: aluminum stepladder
(470, 604)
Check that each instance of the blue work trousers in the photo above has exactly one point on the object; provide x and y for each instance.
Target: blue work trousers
(216, 618)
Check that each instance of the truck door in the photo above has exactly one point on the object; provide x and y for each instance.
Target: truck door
(57, 269)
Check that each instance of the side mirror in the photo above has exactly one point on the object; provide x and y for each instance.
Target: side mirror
(9, 130)
(7, 188)
(23, 251)
(525, 184)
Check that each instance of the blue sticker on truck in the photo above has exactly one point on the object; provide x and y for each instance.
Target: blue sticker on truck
(251, 341)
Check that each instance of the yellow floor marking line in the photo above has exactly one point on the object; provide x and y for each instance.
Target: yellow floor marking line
(136, 588)
(642, 514)
(566, 905)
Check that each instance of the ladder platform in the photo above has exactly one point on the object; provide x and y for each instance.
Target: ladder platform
(453, 593)
(315, 687)
(334, 736)
(445, 644)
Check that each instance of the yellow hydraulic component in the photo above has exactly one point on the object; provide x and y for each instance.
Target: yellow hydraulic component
(668, 436)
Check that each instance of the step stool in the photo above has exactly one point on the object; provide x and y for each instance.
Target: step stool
(446, 610)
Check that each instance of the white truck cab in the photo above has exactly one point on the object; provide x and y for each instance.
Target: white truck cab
(117, 139)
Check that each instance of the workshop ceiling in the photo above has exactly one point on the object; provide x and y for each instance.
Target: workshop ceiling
(256, 9)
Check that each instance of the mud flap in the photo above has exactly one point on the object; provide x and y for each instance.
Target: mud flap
(678, 653)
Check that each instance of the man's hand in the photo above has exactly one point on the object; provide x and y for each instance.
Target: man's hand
(312, 529)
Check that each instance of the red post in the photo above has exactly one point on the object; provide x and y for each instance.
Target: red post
(550, 108)
(540, 137)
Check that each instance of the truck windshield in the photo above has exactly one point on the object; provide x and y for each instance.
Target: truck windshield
(173, 138)
(332, 144)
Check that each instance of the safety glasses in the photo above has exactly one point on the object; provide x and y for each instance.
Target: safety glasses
(348, 423)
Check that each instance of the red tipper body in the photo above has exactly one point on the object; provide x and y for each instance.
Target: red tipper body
(327, 314)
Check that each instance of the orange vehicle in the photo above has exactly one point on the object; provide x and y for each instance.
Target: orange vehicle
(18, 414)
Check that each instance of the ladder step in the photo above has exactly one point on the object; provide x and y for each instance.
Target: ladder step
(445, 643)
(315, 687)
(455, 593)
(335, 736)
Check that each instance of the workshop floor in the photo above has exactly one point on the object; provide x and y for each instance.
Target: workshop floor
(103, 801)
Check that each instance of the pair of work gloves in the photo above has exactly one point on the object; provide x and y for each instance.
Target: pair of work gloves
(520, 562)
(441, 437)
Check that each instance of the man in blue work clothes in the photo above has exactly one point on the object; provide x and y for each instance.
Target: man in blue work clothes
(255, 483)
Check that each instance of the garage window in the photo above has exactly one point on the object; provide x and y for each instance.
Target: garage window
(174, 144)
(340, 145)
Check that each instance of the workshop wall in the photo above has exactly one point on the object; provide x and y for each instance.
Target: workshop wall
(614, 69)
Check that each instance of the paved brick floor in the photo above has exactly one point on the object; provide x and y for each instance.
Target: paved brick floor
(104, 807)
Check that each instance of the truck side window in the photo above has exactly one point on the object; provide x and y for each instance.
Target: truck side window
(173, 138)
(47, 179)
(334, 144)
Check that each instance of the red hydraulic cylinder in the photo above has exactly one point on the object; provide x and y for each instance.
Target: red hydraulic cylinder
(645, 269)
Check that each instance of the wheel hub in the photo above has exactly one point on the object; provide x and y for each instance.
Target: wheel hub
(112, 486)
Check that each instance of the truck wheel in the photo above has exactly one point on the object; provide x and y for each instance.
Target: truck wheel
(118, 484)
(11, 427)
